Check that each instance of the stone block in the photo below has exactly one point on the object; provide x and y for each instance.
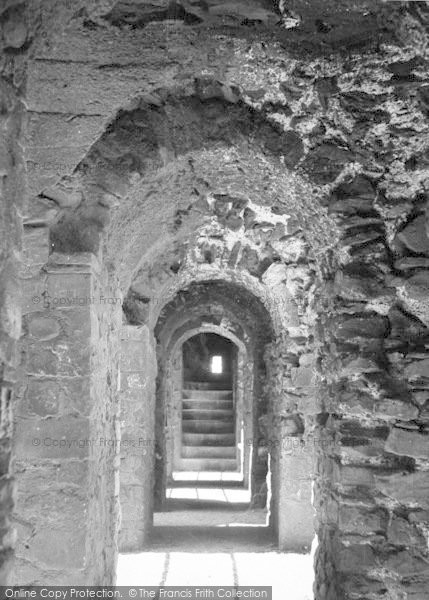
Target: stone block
(310, 404)
(414, 236)
(408, 443)
(7, 493)
(295, 526)
(358, 366)
(303, 376)
(76, 396)
(362, 584)
(413, 292)
(401, 532)
(133, 356)
(44, 327)
(58, 359)
(39, 211)
(58, 548)
(10, 322)
(33, 290)
(355, 558)
(406, 488)
(35, 245)
(405, 563)
(67, 290)
(411, 262)
(326, 161)
(54, 438)
(371, 327)
(59, 473)
(396, 409)
(359, 520)
(6, 564)
(42, 398)
(134, 382)
(346, 475)
(64, 505)
(132, 538)
(417, 369)
(352, 287)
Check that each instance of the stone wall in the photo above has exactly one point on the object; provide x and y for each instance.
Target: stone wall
(294, 410)
(256, 138)
(137, 476)
(374, 484)
(233, 312)
(12, 186)
(65, 443)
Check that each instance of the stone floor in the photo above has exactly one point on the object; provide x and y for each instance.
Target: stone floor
(210, 536)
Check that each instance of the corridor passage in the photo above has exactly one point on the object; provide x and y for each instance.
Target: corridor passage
(252, 561)
(209, 534)
(208, 419)
(229, 547)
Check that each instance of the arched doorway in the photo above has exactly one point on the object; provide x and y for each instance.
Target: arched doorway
(209, 419)
(209, 412)
(214, 505)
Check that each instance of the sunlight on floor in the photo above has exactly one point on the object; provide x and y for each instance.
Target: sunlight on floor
(209, 534)
(227, 495)
(212, 518)
(207, 476)
(290, 575)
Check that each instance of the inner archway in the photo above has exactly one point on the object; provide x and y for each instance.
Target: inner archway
(203, 504)
(209, 420)
(219, 505)
(209, 417)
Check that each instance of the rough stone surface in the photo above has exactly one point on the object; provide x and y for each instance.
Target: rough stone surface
(66, 428)
(278, 148)
(138, 372)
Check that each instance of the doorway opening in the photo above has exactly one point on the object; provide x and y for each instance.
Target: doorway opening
(234, 495)
(207, 483)
(208, 412)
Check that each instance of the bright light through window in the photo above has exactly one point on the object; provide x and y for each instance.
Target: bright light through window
(216, 364)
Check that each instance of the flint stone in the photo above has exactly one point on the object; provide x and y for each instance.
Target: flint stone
(414, 293)
(359, 520)
(408, 488)
(411, 262)
(408, 443)
(414, 236)
(417, 369)
(325, 162)
(356, 557)
(356, 288)
(403, 533)
(396, 409)
(358, 366)
(373, 327)
(403, 563)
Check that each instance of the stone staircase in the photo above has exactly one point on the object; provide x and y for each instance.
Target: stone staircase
(208, 428)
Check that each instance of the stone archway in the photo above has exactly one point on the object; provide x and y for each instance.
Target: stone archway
(210, 313)
(371, 323)
(243, 391)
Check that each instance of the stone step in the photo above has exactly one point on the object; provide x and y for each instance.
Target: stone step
(207, 426)
(209, 452)
(207, 385)
(208, 439)
(207, 464)
(207, 404)
(207, 394)
(209, 414)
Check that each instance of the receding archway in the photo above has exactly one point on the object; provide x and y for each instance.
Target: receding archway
(229, 311)
(232, 385)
